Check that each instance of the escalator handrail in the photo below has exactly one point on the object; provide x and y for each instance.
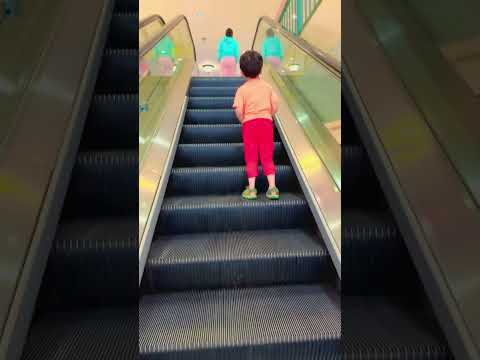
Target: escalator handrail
(167, 28)
(148, 20)
(315, 53)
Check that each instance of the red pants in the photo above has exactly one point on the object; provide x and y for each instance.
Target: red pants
(258, 138)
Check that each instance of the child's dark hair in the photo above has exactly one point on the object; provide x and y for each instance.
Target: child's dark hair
(229, 32)
(270, 32)
(251, 63)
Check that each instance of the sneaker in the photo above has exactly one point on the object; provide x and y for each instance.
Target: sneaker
(273, 194)
(249, 194)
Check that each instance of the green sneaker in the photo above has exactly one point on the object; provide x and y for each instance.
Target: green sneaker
(249, 194)
(273, 194)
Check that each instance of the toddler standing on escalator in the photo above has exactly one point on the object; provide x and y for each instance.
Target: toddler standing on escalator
(255, 104)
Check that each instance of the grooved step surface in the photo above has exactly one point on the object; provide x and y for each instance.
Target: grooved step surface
(213, 91)
(103, 183)
(217, 81)
(123, 31)
(395, 330)
(213, 116)
(213, 133)
(210, 102)
(118, 72)
(291, 322)
(126, 5)
(224, 180)
(102, 333)
(373, 249)
(219, 155)
(112, 120)
(91, 263)
(236, 259)
(232, 213)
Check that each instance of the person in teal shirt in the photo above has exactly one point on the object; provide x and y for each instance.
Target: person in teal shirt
(228, 54)
(163, 57)
(272, 49)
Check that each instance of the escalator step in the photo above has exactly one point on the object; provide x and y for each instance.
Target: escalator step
(210, 103)
(126, 5)
(227, 133)
(224, 180)
(236, 259)
(219, 155)
(123, 31)
(395, 330)
(212, 91)
(212, 116)
(103, 333)
(291, 322)
(191, 214)
(217, 81)
(112, 120)
(103, 183)
(373, 249)
(93, 262)
(118, 73)
(360, 187)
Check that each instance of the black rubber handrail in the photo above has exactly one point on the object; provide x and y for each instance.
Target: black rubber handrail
(148, 20)
(166, 29)
(316, 54)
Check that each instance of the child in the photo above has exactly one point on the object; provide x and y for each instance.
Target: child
(255, 103)
(228, 54)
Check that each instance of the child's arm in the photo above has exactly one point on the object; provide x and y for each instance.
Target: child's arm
(274, 102)
(239, 105)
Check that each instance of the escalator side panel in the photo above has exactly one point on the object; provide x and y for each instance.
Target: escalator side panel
(66, 120)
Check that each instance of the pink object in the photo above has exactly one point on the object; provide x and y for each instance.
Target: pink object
(258, 139)
(275, 62)
(143, 67)
(228, 66)
(162, 67)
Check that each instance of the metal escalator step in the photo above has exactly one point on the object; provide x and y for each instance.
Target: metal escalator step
(212, 116)
(375, 260)
(126, 5)
(102, 333)
(92, 262)
(236, 259)
(386, 328)
(219, 155)
(103, 183)
(123, 31)
(360, 187)
(210, 102)
(192, 181)
(212, 91)
(118, 72)
(191, 214)
(217, 81)
(290, 322)
(217, 133)
(112, 120)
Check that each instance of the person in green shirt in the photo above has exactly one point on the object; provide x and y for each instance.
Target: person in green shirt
(228, 54)
(272, 49)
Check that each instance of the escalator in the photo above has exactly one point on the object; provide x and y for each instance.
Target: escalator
(410, 207)
(87, 305)
(380, 286)
(237, 277)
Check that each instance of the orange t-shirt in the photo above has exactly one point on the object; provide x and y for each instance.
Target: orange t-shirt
(255, 100)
